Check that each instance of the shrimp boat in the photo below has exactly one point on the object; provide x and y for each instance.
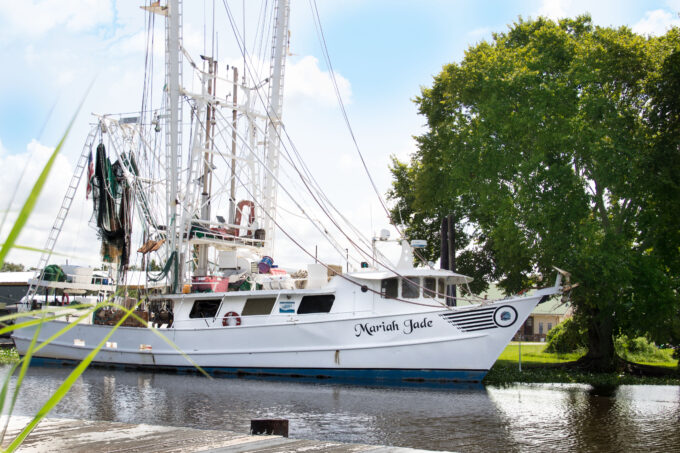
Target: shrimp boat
(223, 303)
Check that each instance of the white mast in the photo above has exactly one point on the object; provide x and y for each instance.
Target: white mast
(278, 61)
(173, 75)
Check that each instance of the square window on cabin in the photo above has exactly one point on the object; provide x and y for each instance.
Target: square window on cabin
(549, 326)
(206, 308)
(430, 287)
(540, 328)
(410, 287)
(258, 306)
(321, 303)
(442, 287)
(389, 288)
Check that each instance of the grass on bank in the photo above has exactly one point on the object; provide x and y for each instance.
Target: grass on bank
(543, 367)
(8, 356)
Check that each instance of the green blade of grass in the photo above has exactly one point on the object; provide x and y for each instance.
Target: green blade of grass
(43, 311)
(65, 386)
(33, 350)
(171, 343)
(29, 323)
(22, 360)
(20, 379)
(32, 199)
(32, 322)
(35, 249)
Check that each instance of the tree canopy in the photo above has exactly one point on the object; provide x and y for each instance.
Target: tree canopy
(556, 144)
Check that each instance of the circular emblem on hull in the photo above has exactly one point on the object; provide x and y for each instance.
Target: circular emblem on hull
(505, 316)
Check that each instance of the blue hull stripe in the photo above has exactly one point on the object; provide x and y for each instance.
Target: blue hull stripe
(386, 376)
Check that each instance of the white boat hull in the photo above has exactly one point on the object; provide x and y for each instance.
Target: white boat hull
(444, 345)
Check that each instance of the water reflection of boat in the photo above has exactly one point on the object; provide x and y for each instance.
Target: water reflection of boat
(227, 304)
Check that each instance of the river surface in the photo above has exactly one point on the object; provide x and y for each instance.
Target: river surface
(523, 417)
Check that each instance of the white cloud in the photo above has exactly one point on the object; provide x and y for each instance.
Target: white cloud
(304, 79)
(35, 18)
(76, 239)
(479, 33)
(656, 22)
(555, 9)
(673, 5)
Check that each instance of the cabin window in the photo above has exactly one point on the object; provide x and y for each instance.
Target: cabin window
(390, 288)
(258, 306)
(430, 287)
(205, 308)
(321, 303)
(442, 287)
(410, 287)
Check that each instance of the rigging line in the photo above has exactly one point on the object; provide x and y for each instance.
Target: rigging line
(318, 189)
(322, 194)
(336, 246)
(317, 23)
(320, 32)
(243, 11)
(262, 31)
(368, 255)
(343, 276)
(238, 41)
(324, 231)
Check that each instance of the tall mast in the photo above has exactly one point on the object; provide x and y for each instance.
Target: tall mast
(278, 61)
(232, 188)
(173, 75)
(202, 268)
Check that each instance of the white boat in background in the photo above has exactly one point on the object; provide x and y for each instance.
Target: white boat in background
(225, 304)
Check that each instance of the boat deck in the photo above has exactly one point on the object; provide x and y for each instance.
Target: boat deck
(85, 436)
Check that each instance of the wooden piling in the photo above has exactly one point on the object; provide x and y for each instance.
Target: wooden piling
(275, 426)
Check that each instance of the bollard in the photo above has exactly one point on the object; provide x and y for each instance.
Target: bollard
(275, 426)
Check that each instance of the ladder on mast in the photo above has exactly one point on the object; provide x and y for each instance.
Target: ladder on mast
(61, 217)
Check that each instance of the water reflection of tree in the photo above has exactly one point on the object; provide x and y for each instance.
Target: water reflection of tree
(627, 418)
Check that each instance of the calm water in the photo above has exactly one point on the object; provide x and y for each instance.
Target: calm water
(473, 419)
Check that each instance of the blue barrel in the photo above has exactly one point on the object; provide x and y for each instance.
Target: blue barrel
(265, 265)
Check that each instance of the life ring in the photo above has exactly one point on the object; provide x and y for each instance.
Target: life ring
(239, 213)
(231, 319)
(65, 299)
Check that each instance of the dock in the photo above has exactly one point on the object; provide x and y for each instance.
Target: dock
(86, 436)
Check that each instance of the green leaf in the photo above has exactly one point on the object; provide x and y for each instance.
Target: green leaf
(32, 199)
(65, 386)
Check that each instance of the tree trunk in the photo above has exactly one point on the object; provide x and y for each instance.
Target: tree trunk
(601, 355)
(444, 247)
(451, 225)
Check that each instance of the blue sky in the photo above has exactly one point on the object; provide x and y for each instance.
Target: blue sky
(382, 52)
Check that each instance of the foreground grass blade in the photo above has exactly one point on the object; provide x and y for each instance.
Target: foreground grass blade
(32, 199)
(35, 249)
(171, 343)
(25, 361)
(42, 311)
(65, 386)
(20, 379)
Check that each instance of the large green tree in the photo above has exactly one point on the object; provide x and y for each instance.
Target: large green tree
(556, 144)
